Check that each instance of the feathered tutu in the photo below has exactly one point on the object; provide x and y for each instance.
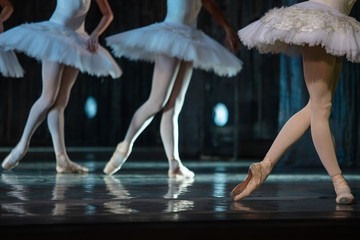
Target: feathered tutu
(175, 40)
(53, 42)
(9, 64)
(284, 30)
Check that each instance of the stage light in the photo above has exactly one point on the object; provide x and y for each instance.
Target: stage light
(220, 115)
(91, 107)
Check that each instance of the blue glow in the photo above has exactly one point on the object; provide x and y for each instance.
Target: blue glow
(220, 115)
(91, 107)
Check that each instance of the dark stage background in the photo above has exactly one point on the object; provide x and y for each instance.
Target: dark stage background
(259, 100)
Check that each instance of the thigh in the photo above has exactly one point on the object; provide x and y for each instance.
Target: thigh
(165, 71)
(181, 84)
(319, 72)
(337, 72)
(51, 79)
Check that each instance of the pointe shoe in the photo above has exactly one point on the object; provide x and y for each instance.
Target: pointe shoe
(258, 172)
(118, 158)
(342, 189)
(64, 165)
(179, 170)
(12, 160)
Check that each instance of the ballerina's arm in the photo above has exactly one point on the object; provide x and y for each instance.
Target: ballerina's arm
(232, 40)
(106, 19)
(7, 10)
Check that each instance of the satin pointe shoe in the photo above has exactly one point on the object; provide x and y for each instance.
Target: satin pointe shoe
(12, 160)
(178, 170)
(342, 189)
(258, 172)
(118, 158)
(64, 165)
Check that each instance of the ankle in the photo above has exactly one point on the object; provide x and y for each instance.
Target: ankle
(21, 147)
(173, 162)
(337, 177)
(340, 183)
(124, 147)
(266, 162)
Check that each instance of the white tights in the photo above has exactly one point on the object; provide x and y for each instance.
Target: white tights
(57, 80)
(170, 82)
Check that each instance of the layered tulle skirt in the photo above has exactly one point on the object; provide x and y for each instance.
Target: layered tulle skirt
(9, 64)
(53, 42)
(175, 40)
(284, 30)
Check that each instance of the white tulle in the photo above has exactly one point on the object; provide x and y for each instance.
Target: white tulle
(283, 30)
(175, 40)
(9, 65)
(50, 41)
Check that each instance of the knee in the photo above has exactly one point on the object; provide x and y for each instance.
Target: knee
(46, 102)
(60, 104)
(153, 107)
(321, 110)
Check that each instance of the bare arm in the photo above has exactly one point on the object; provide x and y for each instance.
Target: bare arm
(7, 10)
(232, 40)
(106, 19)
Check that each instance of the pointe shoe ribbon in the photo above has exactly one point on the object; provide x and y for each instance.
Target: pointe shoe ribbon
(118, 158)
(342, 189)
(258, 172)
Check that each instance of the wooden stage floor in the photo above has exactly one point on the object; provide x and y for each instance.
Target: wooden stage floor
(140, 201)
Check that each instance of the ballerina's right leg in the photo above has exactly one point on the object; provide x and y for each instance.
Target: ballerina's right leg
(165, 70)
(51, 79)
(292, 131)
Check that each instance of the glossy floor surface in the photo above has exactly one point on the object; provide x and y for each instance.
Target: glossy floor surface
(141, 201)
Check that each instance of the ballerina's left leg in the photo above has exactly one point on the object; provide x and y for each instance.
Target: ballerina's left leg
(55, 122)
(169, 128)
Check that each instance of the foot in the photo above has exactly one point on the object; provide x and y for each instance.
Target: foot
(178, 170)
(258, 172)
(13, 159)
(342, 189)
(118, 158)
(65, 165)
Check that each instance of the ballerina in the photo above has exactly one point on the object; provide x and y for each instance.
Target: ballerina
(176, 47)
(322, 32)
(64, 48)
(9, 64)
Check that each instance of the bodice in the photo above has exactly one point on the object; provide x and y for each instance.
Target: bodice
(343, 6)
(71, 13)
(183, 11)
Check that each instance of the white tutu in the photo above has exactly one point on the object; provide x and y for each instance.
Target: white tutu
(283, 30)
(9, 64)
(175, 40)
(53, 42)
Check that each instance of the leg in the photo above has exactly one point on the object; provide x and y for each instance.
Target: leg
(51, 78)
(297, 125)
(292, 131)
(289, 134)
(163, 80)
(321, 71)
(169, 128)
(56, 123)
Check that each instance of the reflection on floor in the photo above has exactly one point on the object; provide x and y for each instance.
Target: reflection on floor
(141, 201)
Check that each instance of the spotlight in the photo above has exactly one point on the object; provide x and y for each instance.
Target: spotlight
(90, 107)
(220, 115)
